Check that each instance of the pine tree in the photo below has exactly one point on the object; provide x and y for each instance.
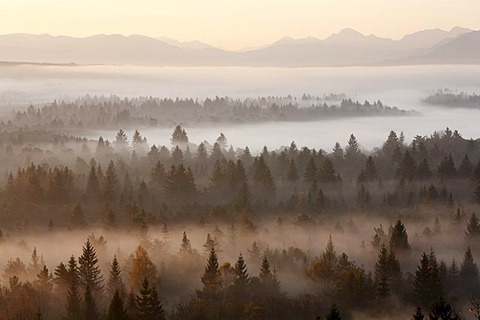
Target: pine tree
(382, 273)
(473, 228)
(90, 307)
(73, 305)
(121, 138)
(399, 239)
(442, 310)
(427, 285)
(370, 171)
(469, 275)
(310, 171)
(179, 136)
(407, 168)
(115, 283)
(211, 279)
(327, 173)
(423, 170)
(270, 285)
(177, 156)
(89, 271)
(353, 148)
(446, 169)
(110, 183)
(93, 187)
(148, 305)
(466, 168)
(78, 218)
(185, 247)
(292, 173)
(116, 310)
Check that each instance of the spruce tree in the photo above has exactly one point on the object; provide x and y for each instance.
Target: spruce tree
(427, 286)
(89, 306)
(77, 217)
(89, 271)
(115, 282)
(310, 171)
(292, 172)
(399, 239)
(73, 305)
(327, 173)
(116, 310)
(442, 310)
(382, 273)
(270, 285)
(148, 304)
(211, 279)
(473, 228)
(469, 275)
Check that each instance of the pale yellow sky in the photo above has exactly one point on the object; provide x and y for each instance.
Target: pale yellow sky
(234, 24)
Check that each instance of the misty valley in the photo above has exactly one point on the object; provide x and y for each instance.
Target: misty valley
(118, 227)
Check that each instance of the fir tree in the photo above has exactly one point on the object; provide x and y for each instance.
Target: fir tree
(89, 271)
(292, 173)
(270, 285)
(116, 310)
(89, 306)
(78, 218)
(211, 279)
(473, 228)
(73, 305)
(310, 171)
(148, 304)
(399, 239)
(469, 275)
(115, 283)
(442, 310)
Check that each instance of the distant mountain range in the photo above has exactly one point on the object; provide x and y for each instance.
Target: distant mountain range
(348, 47)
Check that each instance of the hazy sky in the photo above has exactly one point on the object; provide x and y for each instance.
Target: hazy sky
(234, 23)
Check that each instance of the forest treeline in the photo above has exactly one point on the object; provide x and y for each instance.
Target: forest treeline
(127, 188)
(339, 288)
(188, 182)
(451, 99)
(113, 112)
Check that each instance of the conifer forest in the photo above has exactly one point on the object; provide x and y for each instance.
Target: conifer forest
(127, 229)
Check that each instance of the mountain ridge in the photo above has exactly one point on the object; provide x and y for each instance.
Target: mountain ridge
(346, 47)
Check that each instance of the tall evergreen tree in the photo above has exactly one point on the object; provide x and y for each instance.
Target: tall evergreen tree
(89, 271)
(442, 310)
(89, 306)
(148, 304)
(292, 172)
(310, 171)
(427, 285)
(270, 286)
(115, 282)
(116, 310)
(74, 304)
(211, 279)
(399, 239)
(469, 275)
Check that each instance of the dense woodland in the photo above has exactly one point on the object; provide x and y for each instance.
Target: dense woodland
(127, 230)
(113, 112)
(451, 99)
